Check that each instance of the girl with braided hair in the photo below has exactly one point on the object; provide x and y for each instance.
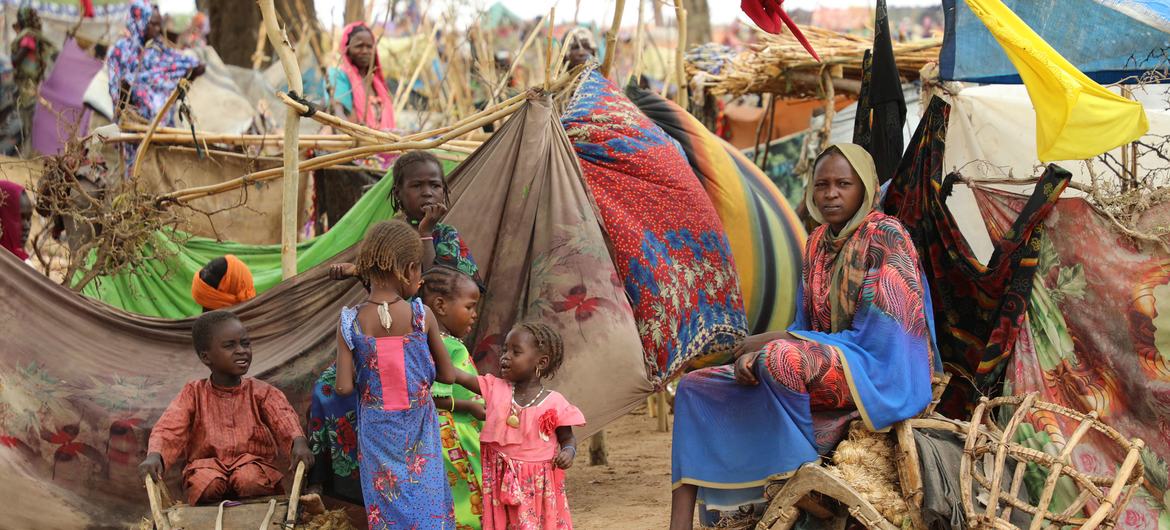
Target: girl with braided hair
(527, 438)
(419, 196)
(452, 296)
(390, 351)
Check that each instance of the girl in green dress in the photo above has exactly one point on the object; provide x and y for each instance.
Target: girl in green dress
(452, 297)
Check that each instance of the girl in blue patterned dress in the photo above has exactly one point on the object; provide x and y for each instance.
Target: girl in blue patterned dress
(390, 351)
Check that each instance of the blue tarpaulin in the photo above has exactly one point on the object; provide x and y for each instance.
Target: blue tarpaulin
(1108, 40)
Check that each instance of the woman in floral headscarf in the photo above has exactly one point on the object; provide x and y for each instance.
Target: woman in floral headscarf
(862, 340)
(143, 69)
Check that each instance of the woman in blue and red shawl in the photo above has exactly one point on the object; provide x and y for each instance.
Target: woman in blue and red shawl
(419, 195)
(862, 339)
(144, 70)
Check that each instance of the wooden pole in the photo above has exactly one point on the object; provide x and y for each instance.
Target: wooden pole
(404, 91)
(158, 118)
(552, 18)
(503, 81)
(663, 412)
(680, 71)
(598, 453)
(639, 43)
(611, 38)
(292, 120)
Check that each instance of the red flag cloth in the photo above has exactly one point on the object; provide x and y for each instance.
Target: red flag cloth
(87, 8)
(768, 14)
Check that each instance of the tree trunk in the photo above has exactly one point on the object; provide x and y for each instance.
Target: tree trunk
(235, 26)
(355, 11)
(698, 22)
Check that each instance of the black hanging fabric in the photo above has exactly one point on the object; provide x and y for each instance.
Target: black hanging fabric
(881, 110)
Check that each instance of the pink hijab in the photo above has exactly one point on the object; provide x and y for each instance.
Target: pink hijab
(11, 232)
(361, 106)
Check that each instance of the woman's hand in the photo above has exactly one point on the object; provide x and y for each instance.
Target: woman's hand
(431, 215)
(342, 271)
(565, 457)
(756, 343)
(745, 368)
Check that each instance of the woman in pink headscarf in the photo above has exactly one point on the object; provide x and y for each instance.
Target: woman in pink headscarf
(359, 87)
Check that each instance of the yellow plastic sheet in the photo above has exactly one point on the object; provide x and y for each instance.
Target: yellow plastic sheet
(1076, 118)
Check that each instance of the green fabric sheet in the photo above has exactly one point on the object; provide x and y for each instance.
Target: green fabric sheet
(162, 288)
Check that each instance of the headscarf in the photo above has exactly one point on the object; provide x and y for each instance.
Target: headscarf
(362, 109)
(583, 36)
(151, 69)
(11, 226)
(847, 253)
(235, 287)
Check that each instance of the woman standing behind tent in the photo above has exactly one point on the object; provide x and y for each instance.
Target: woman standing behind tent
(143, 70)
(359, 86)
(862, 340)
(15, 218)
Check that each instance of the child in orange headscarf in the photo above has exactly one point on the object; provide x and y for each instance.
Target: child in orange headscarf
(223, 282)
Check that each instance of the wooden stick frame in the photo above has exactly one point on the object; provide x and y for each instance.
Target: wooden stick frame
(989, 443)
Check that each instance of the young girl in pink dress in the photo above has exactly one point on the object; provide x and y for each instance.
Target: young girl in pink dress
(527, 438)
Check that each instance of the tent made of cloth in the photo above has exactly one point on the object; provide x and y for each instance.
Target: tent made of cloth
(60, 17)
(1108, 40)
(162, 288)
(60, 113)
(81, 382)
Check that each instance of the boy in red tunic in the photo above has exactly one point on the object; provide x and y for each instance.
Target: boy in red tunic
(227, 428)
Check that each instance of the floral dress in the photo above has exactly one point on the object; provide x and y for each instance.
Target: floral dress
(523, 489)
(401, 464)
(459, 432)
(333, 418)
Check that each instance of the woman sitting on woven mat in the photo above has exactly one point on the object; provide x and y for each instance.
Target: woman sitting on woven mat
(862, 339)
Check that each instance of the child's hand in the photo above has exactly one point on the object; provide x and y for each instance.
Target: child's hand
(431, 215)
(300, 453)
(342, 271)
(565, 457)
(153, 466)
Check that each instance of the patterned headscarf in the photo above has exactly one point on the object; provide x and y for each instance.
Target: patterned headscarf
(150, 68)
(847, 252)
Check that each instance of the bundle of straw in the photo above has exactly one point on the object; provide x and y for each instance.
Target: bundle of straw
(779, 64)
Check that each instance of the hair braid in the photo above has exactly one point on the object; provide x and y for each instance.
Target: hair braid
(442, 280)
(388, 251)
(549, 342)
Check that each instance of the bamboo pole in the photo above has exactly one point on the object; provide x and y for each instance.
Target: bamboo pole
(440, 137)
(404, 91)
(680, 54)
(154, 123)
(663, 412)
(503, 81)
(611, 37)
(552, 18)
(639, 43)
(291, 185)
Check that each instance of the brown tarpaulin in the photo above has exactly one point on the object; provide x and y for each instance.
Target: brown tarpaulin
(81, 382)
(522, 206)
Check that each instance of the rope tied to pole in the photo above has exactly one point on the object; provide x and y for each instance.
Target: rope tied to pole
(312, 107)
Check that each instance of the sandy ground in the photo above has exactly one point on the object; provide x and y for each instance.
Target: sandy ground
(633, 491)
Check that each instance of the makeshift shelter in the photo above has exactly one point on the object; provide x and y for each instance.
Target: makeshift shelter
(780, 65)
(64, 396)
(1108, 40)
(60, 17)
(162, 288)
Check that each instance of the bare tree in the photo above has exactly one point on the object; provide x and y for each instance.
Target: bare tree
(235, 25)
(698, 22)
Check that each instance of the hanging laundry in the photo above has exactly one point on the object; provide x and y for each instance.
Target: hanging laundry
(1076, 118)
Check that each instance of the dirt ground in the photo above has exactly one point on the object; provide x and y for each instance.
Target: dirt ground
(633, 491)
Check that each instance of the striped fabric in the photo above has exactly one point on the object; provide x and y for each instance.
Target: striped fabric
(766, 236)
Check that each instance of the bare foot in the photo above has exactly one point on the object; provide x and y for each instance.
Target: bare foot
(313, 504)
